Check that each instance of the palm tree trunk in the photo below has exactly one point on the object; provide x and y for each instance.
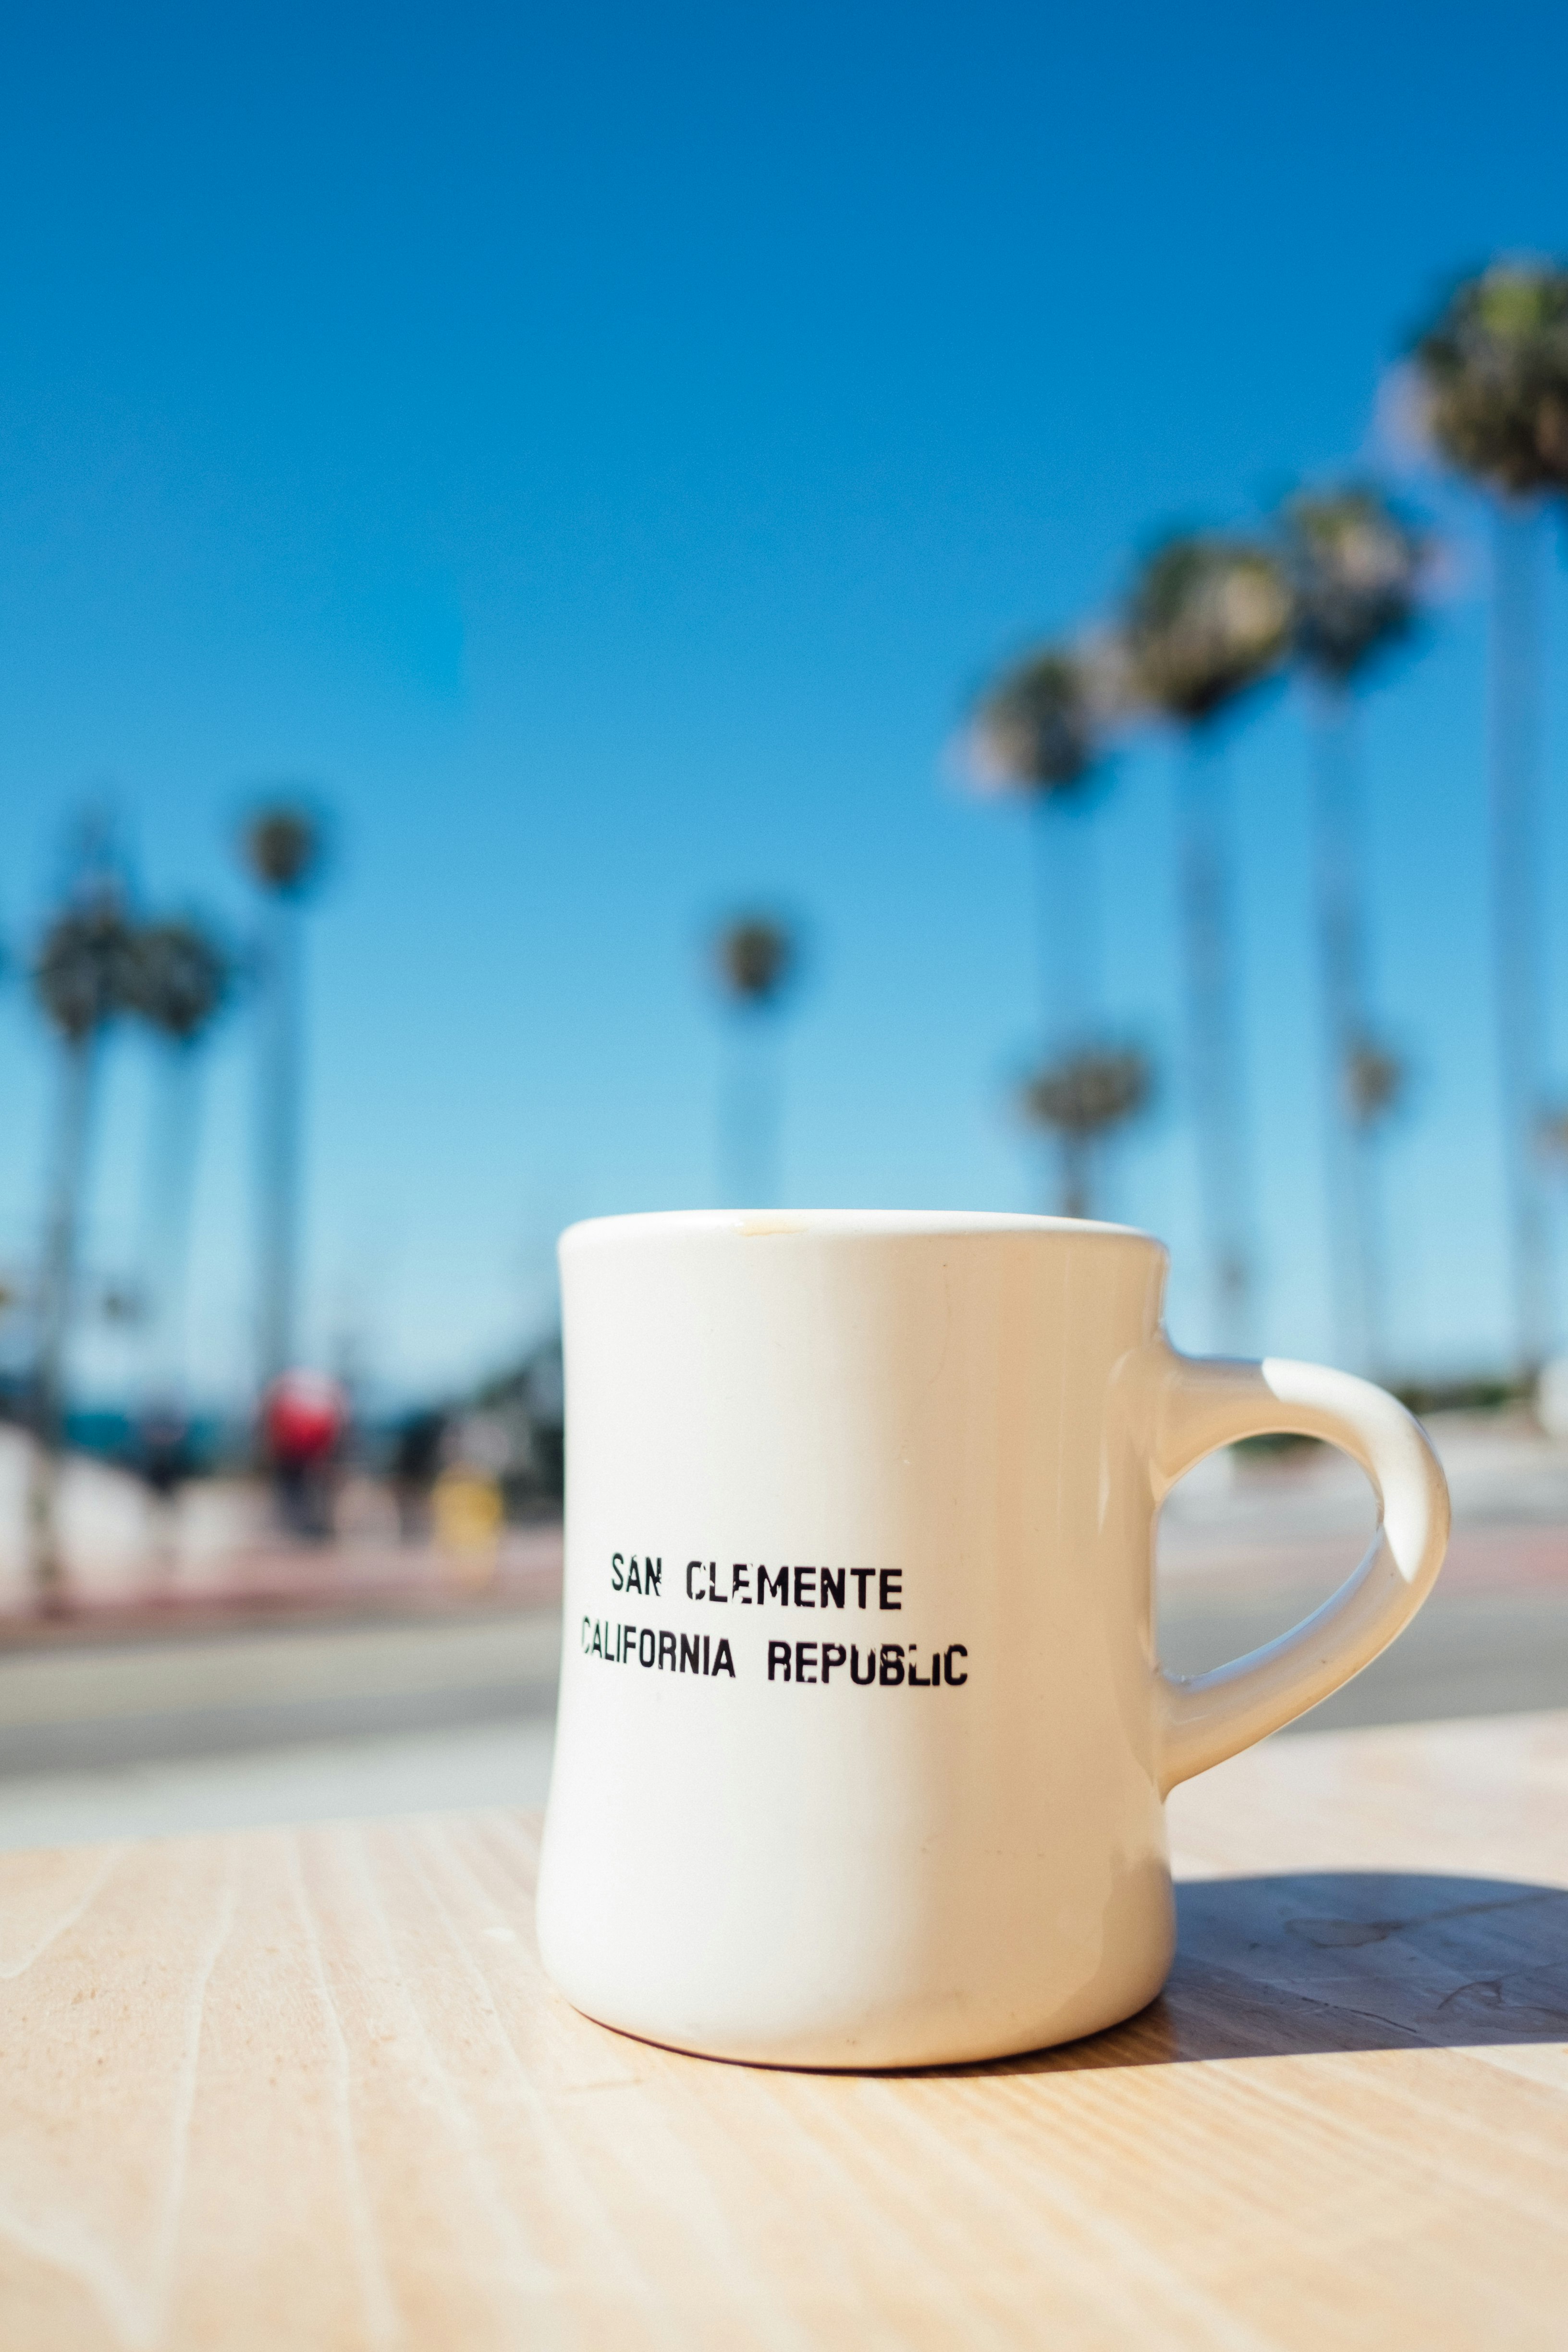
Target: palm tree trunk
(171, 1173)
(1066, 876)
(280, 1121)
(1214, 1040)
(750, 1112)
(1077, 1195)
(1354, 1194)
(77, 1073)
(1068, 893)
(1371, 1223)
(1515, 736)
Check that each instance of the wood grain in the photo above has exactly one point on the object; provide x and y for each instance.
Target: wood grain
(308, 2089)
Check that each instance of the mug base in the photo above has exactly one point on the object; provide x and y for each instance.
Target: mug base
(885, 2051)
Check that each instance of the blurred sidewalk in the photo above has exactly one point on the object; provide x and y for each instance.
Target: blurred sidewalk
(1239, 1514)
(213, 1556)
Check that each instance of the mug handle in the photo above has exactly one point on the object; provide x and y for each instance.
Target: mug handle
(1205, 1403)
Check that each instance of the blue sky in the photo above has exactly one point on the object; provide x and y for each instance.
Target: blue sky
(600, 451)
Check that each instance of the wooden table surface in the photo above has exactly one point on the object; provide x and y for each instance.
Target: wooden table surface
(298, 2089)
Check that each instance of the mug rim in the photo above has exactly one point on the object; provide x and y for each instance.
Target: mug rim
(838, 1224)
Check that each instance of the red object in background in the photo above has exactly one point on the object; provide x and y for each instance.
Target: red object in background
(303, 1415)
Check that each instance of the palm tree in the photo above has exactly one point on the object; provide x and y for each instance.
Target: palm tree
(756, 958)
(1040, 733)
(1355, 565)
(1492, 372)
(1081, 1097)
(283, 847)
(84, 979)
(1208, 618)
(181, 980)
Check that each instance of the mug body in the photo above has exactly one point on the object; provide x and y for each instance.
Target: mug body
(856, 1758)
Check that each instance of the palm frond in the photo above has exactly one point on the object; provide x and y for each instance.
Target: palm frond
(1493, 374)
(85, 973)
(756, 955)
(1209, 616)
(1040, 727)
(1374, 1080)
(1356, 566)
(181, 977)
(283, 844)
(1087, 1093)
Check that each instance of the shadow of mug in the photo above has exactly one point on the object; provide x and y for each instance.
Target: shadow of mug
(1344, 1960)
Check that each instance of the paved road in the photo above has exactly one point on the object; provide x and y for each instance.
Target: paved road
(138, 1739)
(94, 1708)
(496, 1763)
(314, 1724)
(1465, 1654)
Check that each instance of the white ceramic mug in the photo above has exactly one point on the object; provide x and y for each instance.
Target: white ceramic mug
(863, 1740)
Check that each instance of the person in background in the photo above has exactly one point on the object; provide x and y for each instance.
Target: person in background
(416, 1461)
(304, 1421)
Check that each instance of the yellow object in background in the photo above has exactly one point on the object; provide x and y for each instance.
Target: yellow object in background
(466, 1509)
